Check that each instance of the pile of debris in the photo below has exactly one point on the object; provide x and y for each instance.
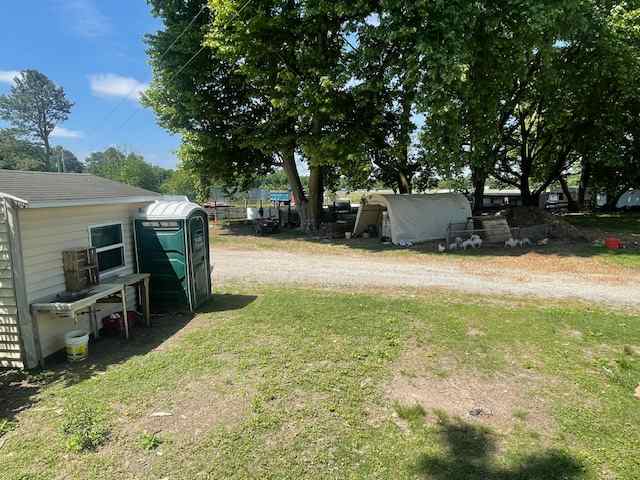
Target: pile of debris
(335, 230)
(533, 217)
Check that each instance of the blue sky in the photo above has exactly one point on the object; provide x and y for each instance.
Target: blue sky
(95, 50)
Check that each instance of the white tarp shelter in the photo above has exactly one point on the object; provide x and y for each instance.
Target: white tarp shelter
(630, 199)
(413, 218)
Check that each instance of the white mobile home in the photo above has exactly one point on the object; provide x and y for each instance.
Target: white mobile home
(41, 215)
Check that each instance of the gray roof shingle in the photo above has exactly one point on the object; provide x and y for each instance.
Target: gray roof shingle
(67, 188)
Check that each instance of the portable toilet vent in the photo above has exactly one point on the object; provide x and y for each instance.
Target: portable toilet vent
(172, 244)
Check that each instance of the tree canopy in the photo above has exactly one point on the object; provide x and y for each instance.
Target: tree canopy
(128, 168)
(521, 93)
(34, 106)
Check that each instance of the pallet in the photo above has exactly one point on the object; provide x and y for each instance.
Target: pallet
(80, 269)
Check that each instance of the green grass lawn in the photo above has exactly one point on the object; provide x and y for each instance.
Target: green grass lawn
(625, 258)
(290, 384)
(613, 223)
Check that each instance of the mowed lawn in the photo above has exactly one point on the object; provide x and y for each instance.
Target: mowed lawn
(612, 223)
(290, 384)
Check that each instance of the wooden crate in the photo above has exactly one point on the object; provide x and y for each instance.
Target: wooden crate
(80, 269)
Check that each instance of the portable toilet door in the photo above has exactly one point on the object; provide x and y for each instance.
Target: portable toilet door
(198, 234)
(172, 245)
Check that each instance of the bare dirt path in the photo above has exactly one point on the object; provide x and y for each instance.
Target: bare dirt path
(313, 269)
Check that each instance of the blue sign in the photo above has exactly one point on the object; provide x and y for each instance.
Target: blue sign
(280, 197)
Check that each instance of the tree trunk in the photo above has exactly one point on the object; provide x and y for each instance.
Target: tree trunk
(404, 185)
(479, 180)
(571, 203)
(316, 197)
(293, 177)
(47, 153)
(526, 162)
(316, 172)
(404, 179)
(528, 199)
(585, 179)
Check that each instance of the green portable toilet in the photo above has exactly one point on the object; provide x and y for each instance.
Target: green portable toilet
(172, 244)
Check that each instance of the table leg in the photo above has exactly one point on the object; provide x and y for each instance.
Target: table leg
(93, 319)
(36, 331)
(147, 308)
(125, 320)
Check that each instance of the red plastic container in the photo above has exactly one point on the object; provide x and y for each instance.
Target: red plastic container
(613, 243)
(114, 326)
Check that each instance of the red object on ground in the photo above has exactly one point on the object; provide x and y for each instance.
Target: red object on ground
(133, 318)
(613, 243)
(114, 326)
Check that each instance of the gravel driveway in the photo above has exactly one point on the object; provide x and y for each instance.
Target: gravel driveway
(345, 271)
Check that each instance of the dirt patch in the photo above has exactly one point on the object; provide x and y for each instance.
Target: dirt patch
(178, 420)
(501, 401)
(192, 411)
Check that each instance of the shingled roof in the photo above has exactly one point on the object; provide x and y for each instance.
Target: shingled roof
(47, 189)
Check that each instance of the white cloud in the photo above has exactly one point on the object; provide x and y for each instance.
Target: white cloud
(112, 85)
(85, 19)
(61, 132)
(7, 76)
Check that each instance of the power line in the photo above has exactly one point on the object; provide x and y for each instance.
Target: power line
(186, 64)
(125, 98)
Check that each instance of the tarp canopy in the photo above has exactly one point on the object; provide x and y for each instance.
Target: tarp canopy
(630, 199)
(413, 218)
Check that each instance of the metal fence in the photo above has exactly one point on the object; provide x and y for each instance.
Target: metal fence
(494, 231)
(226, 213)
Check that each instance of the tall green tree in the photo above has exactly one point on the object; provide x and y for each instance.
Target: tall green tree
(610, 160)
(201, 97)
(386, 79)
(34, 106)
(468, 92)
(18, 154)
(268, 89)
(128, 168)
(183, 182)
(523, 91)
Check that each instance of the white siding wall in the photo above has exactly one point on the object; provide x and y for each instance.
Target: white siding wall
(9, 341)
(45, 233)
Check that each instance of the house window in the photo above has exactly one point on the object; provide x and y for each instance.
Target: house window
(107, 240)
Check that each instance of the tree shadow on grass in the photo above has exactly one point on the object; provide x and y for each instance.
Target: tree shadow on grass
(222, 302)
(471, 455)
(21, 390)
